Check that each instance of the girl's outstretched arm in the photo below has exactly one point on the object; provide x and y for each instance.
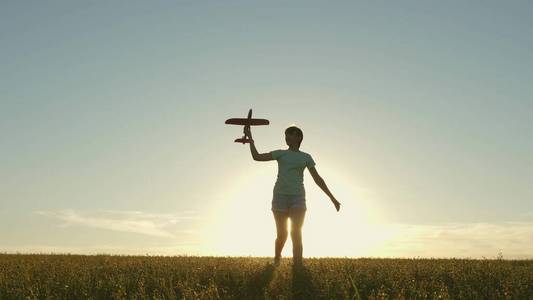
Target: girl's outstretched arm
(256, 155)
(322, 184)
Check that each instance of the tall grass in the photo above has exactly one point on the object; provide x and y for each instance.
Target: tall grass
(45, 276)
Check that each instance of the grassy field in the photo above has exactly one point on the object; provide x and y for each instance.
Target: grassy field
(42, 276)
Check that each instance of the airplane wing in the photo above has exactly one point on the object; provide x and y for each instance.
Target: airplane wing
(244, 121)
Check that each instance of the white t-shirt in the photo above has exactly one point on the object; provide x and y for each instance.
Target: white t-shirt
(291, 165)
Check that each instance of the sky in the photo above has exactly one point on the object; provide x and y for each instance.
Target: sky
(418, 114)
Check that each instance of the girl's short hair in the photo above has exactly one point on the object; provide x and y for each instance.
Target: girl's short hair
(297, 131)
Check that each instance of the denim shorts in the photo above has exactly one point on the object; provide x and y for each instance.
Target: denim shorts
(284, 203)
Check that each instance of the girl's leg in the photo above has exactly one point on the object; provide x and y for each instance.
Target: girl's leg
(297, 220)
(281, 226)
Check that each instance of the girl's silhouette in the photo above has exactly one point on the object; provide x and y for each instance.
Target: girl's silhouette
(288, 199)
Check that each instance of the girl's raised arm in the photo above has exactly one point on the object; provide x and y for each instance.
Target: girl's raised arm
(256, 155)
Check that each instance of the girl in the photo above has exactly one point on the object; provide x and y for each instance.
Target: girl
(288, 199)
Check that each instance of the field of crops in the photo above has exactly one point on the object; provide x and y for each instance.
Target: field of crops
(42, 276)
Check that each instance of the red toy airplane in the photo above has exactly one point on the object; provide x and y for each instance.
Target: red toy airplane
(244, 122)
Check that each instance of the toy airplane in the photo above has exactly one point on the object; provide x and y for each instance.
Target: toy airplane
(246, 122)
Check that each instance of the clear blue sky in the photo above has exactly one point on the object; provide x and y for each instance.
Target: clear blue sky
(112, 119)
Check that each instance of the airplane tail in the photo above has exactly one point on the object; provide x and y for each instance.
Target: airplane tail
(242, 140)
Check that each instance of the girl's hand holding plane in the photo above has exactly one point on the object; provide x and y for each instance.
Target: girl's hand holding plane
(247, 131)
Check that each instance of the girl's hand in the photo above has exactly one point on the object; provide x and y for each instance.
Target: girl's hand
(336, 203)
(247, 131)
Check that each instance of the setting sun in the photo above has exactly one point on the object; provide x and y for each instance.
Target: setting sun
(242, 223)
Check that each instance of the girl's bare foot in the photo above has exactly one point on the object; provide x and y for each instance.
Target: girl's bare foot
(297, 263)
(277, 261)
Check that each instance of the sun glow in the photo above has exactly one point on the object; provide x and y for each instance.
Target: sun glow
(242, 223)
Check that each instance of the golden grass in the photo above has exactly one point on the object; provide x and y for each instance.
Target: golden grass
(54, 276)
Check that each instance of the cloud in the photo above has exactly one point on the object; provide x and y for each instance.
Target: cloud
(188, 247)
(445, 240)
(512, 239)
(527, 215)
(151, 224)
